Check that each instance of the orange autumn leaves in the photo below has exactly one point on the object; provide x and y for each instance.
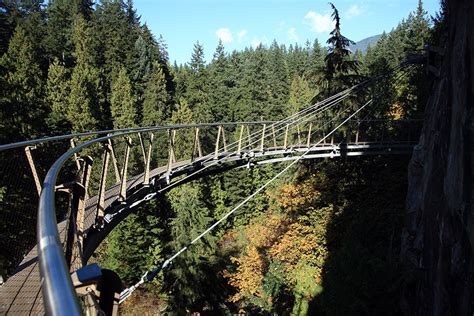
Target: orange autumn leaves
(292, 233)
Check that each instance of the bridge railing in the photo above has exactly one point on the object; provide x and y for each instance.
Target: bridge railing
(96, 175)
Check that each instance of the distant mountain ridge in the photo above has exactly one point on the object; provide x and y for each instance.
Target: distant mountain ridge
(363, 44)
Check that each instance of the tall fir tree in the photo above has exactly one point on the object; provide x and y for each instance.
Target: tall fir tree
(116, 35)
(84, 110)
(122, 101)
(339, 66)
(192, 281)
(59, 27)
(155, 99)
(57, 94)
(300, 95)
(22, 109)
(197, 88)
(220, 86)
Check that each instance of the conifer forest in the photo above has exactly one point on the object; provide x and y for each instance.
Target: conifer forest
(324, 239)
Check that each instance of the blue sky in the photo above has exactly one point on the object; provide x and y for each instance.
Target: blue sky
(244, 23)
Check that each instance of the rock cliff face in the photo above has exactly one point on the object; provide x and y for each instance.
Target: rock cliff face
(438, 239)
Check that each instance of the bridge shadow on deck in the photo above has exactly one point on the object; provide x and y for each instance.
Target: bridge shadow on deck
(361, 275)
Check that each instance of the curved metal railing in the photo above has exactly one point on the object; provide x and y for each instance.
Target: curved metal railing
(181, 152)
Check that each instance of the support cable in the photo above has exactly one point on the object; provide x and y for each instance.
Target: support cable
(151, 274)
(319, 107)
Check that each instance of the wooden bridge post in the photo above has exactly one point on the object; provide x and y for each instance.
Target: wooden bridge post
(80, 195)
(224, 141)
(249, 138)
(308, 143)
(357, 132)
(146, 175)
(197, 145)
(171, 153)
(262, 141)
(99, 217)
(274, 137)
(123, 182)
(31, 162)
(76, 157)
(239, 146)
(216, 152)
(298, 134)
(285, 141)
(114, 161)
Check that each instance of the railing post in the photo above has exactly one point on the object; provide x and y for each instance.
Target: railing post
(249, 138)
(146, 175)
(31, 162)
(262, 141)
(285, 141)
(99, 214)
(239, 146)
(76, 157)
(80, 196)
(196, 145)
(298, 134)
(308, 143)
(171, 154)
(216, 152)
(114, 161)
(357, 132)
(274, 137)
(123, 180)
(224, 141)
(142, 146)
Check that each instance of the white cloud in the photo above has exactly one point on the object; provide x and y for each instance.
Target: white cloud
(292, 34)
(353, 11)
(255, 42)
(225, 35)
(241, 35)
(319, 23)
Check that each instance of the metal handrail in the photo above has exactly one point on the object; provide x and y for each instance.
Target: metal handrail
(58, 292)
(138, 129)
(132, 129)
(59, 295)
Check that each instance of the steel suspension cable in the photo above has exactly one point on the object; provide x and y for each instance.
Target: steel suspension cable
(151, 274)
(324, 104)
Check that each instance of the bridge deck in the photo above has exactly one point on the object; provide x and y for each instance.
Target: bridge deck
(21, 294)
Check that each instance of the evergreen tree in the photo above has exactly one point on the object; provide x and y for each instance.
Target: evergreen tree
(122, 101)
(316, 63)
(220, 86)
(339, 66)
(57, 94)
(300, 95)
(84, 110)
(193, 279)
(197, 88)
(7, 24)
(135, 245)
(22, 110)
(59, 27)
(155, 99)
(116, 35)
(279, 82)
(253, 99)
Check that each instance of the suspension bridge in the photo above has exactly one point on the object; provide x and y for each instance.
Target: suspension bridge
(94, 180)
